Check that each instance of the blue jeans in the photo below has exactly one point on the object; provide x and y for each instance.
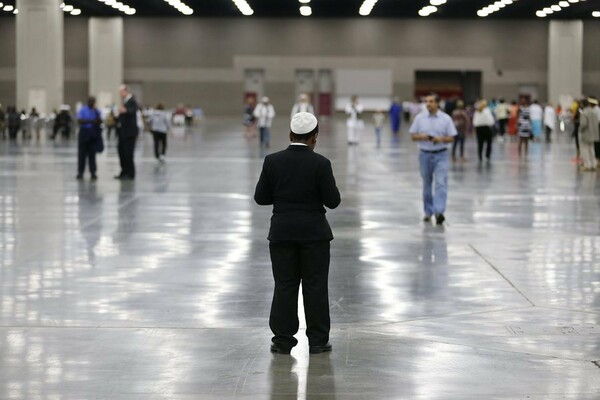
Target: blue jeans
(434, 173)
(265, 136)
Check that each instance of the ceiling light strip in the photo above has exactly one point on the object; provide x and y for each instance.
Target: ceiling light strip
(117, 5)
(561, 5)
(244, 7)
(70, 9)
(494, 7)
(366, 7)
(431, 8)
(180, 6)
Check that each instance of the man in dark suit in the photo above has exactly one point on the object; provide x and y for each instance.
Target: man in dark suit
(298, 182)
(127, 130)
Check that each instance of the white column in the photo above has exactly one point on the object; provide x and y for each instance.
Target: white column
(565, 60)
(106, 59)
(40, 60)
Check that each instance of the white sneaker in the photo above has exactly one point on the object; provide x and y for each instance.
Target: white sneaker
(161, 158)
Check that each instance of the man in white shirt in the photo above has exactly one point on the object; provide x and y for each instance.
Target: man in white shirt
(433, 130)
(303, 105)
(264, 113)
(549, 121)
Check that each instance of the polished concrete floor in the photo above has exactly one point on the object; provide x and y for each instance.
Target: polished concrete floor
(161, 288)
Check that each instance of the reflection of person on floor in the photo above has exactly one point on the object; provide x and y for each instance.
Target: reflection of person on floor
(264, 113)
(354, 123)
(433, 130)
(299, 183)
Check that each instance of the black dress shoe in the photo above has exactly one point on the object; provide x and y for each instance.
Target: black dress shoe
(320, 349)
(79, 177)
(275, 348)
(439, 219)
(94, 178)
(118, 176)
(427, 218)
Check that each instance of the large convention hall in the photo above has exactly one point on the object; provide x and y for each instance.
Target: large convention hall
(299, 199)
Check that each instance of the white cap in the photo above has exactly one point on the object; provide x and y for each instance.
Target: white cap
(303, 123)
(264, 99)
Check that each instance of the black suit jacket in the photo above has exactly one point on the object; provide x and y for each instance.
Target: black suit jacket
(128, 120)
(298, 182)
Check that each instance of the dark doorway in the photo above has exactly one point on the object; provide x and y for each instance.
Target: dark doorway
(449, 84)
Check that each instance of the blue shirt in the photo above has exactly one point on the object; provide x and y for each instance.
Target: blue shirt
(437, 125)
(87, 113)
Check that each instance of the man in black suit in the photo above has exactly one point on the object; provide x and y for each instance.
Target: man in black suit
(127, 131)
(299, 182)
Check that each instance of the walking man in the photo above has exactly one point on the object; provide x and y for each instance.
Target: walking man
(433, 129)
(298, 183)
(128, 132)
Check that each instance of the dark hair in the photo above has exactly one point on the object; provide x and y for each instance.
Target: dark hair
(160, 106)
(306, 137)
(584, 103)
(435, 96)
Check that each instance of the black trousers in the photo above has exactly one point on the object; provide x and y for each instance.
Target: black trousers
(502, 123)
(126, 147)
(484, 136)
(548, 134)
(86, 150)
(160, 143)
(293, 264)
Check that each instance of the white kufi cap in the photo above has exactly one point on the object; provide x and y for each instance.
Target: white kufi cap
(303, 123)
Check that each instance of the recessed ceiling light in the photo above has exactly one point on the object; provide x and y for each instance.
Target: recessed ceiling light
(482, 13)
(8, 7)
(564, 4)
(548, 10)
(305, 11)
(596, 14)
(76, 11)
(437, 2)
(304, 1)
(556, 7)
(540, 14)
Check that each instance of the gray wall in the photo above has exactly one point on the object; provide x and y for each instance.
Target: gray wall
(206, 52)
(8, 57)
(591, 58)
(201, 61)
